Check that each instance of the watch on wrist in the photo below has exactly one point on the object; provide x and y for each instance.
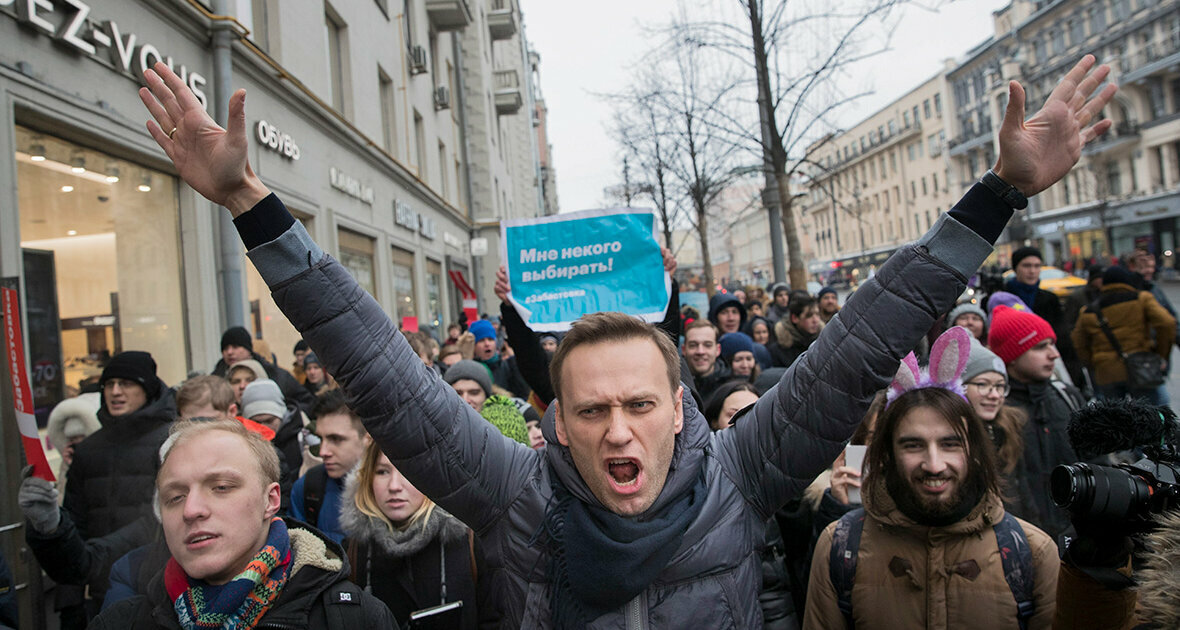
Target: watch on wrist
(1004, 190)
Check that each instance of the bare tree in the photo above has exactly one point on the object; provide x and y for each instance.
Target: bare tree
(673, 120)
(643, 131)
(795, 52)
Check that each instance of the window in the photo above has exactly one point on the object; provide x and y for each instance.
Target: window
(1120, 9)
(938, 105)
(1114, 184)
(356, 256)
(336, 36)
(1039, 51)
(402, 264)
(926, 108)
(387, 96)
(924, 190)
(258, 23)
(1057, 36)
(913, 189)
(934, 182)
(434, 307)
(915, 112)
(102, 263)
(892, 127)
(1155, 92)
(1077, 31)
(905, 119)
(420, 144)
(1097, 18)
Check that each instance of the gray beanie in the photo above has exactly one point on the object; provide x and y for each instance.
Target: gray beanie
(965, 307)
(982, 360)
(263, 396)
(470, 370)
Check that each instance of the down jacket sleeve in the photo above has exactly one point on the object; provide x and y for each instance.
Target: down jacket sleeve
(797, 429)
(433, 437)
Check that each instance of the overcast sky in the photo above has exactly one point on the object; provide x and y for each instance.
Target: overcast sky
(591, 48)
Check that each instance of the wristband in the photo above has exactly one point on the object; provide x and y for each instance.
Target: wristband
(1004, 190)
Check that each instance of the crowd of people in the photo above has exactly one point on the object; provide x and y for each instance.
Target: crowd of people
(781, 461)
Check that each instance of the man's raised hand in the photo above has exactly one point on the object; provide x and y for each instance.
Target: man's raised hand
(210, 159)
(1036, 153)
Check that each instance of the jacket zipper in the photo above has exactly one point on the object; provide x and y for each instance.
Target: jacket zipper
(636, 612)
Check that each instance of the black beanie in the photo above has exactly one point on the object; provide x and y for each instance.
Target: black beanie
(1122, 275)
(237, 336)
(1024, 252)
(134, 365)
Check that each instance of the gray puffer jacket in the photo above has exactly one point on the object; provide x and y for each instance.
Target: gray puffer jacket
(501, 488)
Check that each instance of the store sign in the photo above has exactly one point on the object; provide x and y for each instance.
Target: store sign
(1079, 224)
(277, 141)
(350, 186)
(452, 240)
(69, 22)
(411, 219)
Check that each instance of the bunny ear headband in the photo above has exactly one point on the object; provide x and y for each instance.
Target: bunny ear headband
(948, 359)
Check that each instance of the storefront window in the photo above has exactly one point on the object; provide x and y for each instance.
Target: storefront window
(403, 283)
(356, 254)
(101, 246)
(267, 319)
(434, 293)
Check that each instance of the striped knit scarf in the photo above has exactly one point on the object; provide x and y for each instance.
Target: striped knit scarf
(240, 603)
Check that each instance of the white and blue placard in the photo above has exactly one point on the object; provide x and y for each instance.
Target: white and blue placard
(564, 266)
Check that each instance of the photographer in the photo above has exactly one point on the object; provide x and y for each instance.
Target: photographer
(1111, 505)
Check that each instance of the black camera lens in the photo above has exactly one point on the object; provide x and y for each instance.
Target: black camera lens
(1099, 492)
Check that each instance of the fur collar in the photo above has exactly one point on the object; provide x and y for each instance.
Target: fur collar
(1159, 581)
(367, 530)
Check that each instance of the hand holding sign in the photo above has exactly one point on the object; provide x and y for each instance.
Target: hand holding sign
(560, 268)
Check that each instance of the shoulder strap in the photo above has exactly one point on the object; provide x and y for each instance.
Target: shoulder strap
(842, 559)
(1071, 400)
(342, 606)
(1114, 342)
(315, 483)
(1016, 557)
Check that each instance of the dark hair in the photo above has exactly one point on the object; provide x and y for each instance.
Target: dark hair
(332, 402)
(716, 401)
(981, 455)
(799, 305)
(598, 328)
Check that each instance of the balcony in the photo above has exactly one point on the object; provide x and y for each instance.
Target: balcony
(1155, 60)
(448, 15)
(508, 97)
(1120, 135)
(501, 20)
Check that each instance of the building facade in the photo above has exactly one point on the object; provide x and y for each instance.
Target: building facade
(1124, 192)
(355, 118)
(877, 185)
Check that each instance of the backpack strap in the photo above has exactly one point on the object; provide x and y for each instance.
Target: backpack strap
(342, 606)
(842, 559)
(1016, 556)
(315, 483)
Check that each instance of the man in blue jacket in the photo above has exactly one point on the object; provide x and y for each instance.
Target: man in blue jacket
(634, 514)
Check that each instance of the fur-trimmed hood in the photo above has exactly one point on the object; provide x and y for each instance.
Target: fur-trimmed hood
(83, 409)
(367, 530)
(1159, 581)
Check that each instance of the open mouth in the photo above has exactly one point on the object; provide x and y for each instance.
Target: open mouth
(624, 474)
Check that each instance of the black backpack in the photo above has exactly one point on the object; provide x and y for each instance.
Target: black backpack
(315, 483)
(1015, 555)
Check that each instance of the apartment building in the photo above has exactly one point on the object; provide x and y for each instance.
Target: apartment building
(1124, 192)
(880, 184)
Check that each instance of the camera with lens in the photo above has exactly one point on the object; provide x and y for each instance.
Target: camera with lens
(1125, 493)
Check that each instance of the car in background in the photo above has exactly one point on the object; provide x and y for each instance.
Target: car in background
(1054, 280)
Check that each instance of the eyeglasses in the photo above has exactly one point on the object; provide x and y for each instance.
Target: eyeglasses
(987, 389)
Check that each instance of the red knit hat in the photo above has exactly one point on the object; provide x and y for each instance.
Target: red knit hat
(1013, 332)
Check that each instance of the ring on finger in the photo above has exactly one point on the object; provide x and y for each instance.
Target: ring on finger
(172, 133)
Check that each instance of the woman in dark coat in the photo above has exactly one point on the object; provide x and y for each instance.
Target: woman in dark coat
(404, 549)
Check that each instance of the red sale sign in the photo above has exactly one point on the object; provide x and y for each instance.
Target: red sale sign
(22, 394)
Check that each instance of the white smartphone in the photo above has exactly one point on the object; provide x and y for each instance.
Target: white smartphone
(854, 457)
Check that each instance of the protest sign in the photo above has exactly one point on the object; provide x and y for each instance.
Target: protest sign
(562, 267)
(22, 393)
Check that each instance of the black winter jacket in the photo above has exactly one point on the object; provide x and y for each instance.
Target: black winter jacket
(113, 475)
(501, 488)
(317, 586)
(1046, 445)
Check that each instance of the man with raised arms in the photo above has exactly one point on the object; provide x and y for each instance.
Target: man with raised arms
(634, 512)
